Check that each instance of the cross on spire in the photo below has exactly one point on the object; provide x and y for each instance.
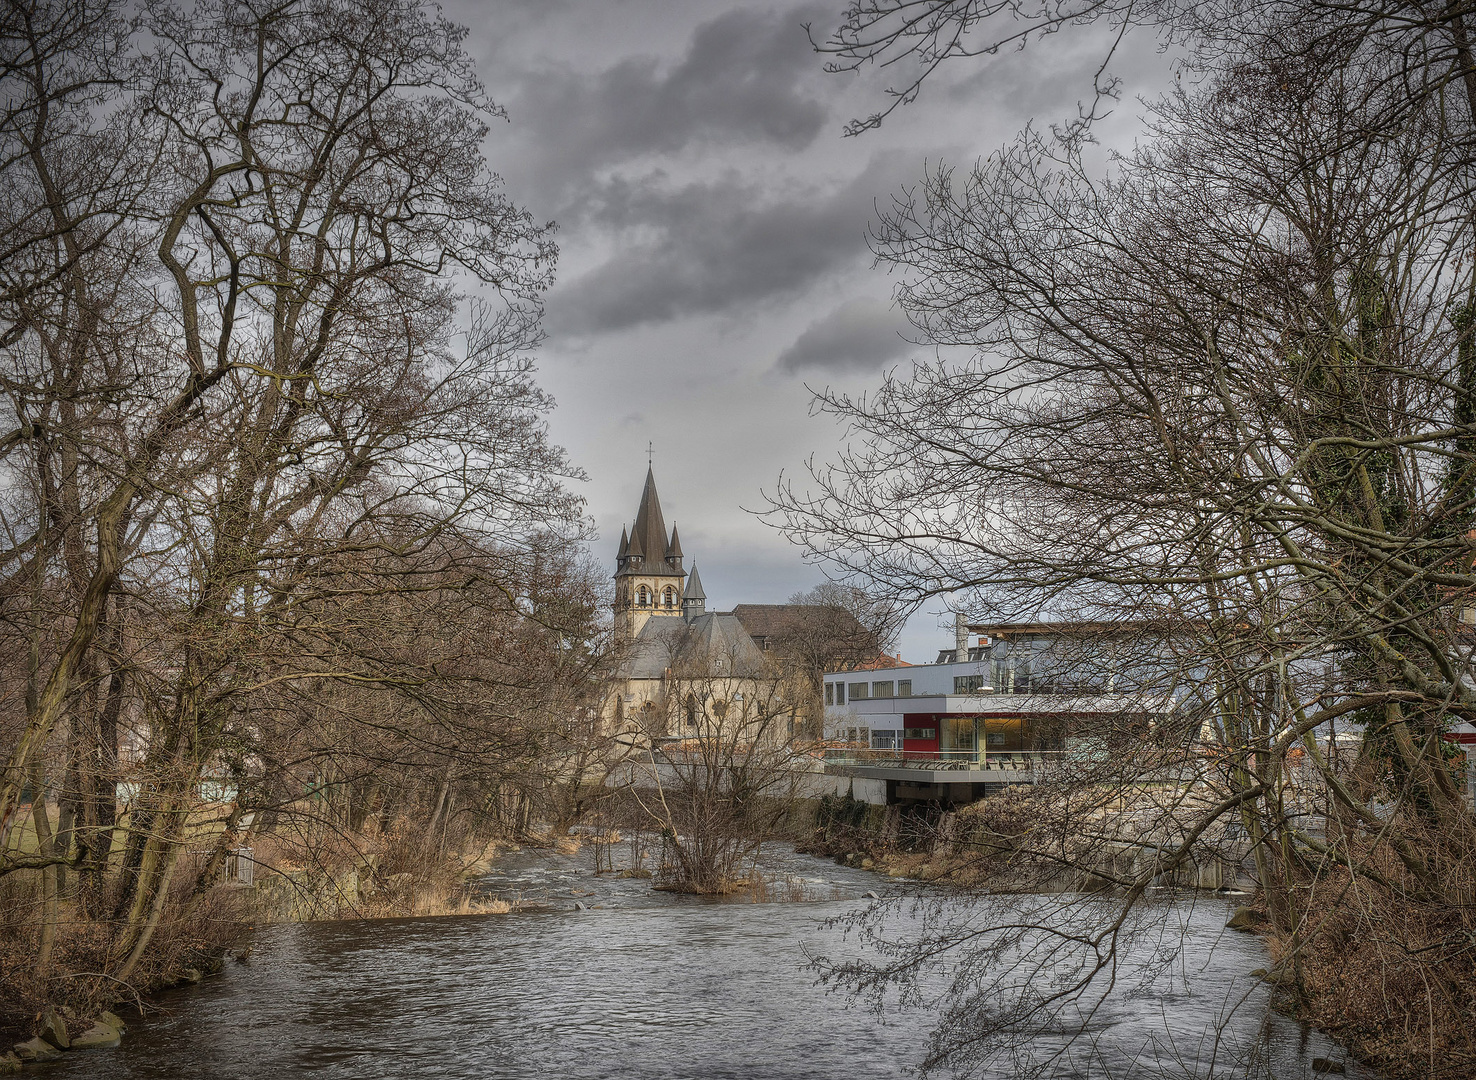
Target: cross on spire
(650, 454)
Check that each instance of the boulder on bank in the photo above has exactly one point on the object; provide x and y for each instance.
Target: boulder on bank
(1247, 919)
(113, 1020)
(98, 1037)
(54, 1030)
(37, 1049)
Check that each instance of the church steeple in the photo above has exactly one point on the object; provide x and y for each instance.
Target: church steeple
(694, 600)
(648, 567)
(648, 538)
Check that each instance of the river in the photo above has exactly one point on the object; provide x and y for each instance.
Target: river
(641, 984)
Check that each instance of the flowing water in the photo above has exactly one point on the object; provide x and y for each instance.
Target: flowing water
(644, 984)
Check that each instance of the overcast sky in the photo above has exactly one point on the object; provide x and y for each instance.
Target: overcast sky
(712, 222)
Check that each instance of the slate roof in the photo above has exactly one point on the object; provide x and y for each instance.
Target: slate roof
(693, 590)
(666, 642)
(648, 539)
(777, 620)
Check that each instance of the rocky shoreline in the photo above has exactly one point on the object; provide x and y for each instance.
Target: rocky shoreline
(102, 1032)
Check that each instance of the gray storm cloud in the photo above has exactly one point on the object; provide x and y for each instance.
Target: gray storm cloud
(706, 248)
(860, 335)
(711, 218)
(746, 78)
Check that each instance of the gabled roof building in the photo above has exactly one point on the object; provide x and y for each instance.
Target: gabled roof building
(666, 636)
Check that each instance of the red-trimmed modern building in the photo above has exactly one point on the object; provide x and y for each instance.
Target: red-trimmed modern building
(1000, 705)
(1464, 736)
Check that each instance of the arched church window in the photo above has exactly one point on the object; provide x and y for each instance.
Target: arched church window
(643, 597)
(691, 710)
(670, 597)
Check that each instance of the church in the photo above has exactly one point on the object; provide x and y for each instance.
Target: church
(678, 663)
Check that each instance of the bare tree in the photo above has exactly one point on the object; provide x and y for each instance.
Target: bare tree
(721, 775)
(827, 628)
(276, 493)
(1226, 390)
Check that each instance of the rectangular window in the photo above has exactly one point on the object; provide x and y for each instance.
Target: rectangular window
(881, 689)
(883, 740)
(859, 691)
(904, 687)
(920, 733)
(958, 735)
(840, 693)
(968, 684)
(830, 693)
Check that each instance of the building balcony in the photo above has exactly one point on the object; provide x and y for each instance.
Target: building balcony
(956, 761)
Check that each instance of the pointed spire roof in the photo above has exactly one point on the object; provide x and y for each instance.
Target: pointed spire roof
(624, 544)
(693, 591)
(648, 539)
(649, 529)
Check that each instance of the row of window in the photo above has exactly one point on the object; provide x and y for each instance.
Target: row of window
(836, 692)
(645, 597)
(886, 739)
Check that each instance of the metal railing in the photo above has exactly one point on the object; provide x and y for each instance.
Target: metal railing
(237, 868)
(1003, 760)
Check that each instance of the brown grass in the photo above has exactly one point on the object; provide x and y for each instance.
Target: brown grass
(1390, 972)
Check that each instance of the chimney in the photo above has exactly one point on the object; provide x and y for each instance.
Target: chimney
(960, 639)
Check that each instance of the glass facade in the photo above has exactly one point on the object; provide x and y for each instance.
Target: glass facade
(956, 736)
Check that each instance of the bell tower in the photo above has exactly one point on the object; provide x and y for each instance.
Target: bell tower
(648, 568)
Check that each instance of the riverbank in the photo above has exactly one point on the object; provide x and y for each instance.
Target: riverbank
(378, 874)
(600, 976)
(1355, 978)
(599, 871)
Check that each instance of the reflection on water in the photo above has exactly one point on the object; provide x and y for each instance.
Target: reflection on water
(640, 984)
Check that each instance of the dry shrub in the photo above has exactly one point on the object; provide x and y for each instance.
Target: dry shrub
(83, 947)
(764, 888)
(396, 872)
(1391, 971)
